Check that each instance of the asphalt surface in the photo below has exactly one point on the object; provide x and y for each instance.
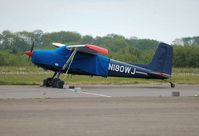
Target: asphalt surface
(140, 110)
(163, 90)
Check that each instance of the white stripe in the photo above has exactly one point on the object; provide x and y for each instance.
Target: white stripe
(139, 72)
(58, 44)
(75, 46)
(96, 94)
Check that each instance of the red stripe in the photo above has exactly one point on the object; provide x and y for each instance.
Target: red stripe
(97, 49)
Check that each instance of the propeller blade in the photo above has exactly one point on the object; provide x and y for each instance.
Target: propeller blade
(33, 44)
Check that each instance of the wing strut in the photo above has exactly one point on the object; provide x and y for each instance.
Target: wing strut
(69, 61)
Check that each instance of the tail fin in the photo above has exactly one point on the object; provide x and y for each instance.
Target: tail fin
(162, 60)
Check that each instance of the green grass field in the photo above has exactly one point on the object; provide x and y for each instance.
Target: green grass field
(31, 75)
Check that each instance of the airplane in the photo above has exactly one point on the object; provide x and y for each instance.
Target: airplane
(92, 60)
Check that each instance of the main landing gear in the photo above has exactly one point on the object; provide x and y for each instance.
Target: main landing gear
(54, 82)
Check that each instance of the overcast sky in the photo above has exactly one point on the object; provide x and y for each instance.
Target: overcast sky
(163, 20)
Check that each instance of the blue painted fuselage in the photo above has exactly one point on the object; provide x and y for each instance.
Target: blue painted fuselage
(92, 64)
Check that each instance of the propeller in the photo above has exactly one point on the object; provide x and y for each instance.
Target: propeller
(33, 44)
(30, 53)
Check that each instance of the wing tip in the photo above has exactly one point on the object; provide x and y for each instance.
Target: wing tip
(98, 49)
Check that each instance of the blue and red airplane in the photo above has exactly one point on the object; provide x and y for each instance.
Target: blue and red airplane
(92, 60)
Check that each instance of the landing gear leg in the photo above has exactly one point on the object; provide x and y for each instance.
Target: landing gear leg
(54, 82)
(172, 84)
(48, 82)
(57, 83)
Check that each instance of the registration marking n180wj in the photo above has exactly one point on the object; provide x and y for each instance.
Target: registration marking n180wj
(122, 69)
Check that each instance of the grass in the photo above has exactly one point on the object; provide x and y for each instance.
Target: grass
(30, 75)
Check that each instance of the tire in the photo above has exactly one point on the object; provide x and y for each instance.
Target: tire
(44, 82)
(57, 83)
(60, 84)
(172, 85)
(47, 82)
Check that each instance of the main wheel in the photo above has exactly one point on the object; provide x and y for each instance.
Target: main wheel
(47, 82)
(57, 83)
(60, 84)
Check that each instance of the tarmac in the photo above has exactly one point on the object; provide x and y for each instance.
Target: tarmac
(100, 110)
(144, 90)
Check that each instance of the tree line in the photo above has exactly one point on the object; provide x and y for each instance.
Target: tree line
(131, 50)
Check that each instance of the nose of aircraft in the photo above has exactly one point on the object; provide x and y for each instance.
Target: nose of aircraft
(28, 53)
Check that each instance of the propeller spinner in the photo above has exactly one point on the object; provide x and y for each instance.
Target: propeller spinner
(30, 53)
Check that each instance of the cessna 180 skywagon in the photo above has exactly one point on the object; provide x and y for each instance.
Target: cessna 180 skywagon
(92, 60)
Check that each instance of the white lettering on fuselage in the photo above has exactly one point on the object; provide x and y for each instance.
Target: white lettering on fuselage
(122, 69)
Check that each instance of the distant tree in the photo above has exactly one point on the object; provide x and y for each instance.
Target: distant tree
(61, 37)
(2, 60)
(186, 56)
(87, 39)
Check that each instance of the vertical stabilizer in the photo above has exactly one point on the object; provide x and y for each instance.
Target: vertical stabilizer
(162, 60)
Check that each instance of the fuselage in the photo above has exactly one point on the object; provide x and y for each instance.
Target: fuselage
(91, 64)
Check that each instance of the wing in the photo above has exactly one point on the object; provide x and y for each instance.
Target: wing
(87, 48)
(58, 45)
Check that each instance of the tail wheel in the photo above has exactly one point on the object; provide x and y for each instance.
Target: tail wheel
(172, 85)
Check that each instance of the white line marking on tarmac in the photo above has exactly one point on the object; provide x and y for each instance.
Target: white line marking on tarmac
(102, 95)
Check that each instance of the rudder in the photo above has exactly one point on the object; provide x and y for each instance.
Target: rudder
(162, 60)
